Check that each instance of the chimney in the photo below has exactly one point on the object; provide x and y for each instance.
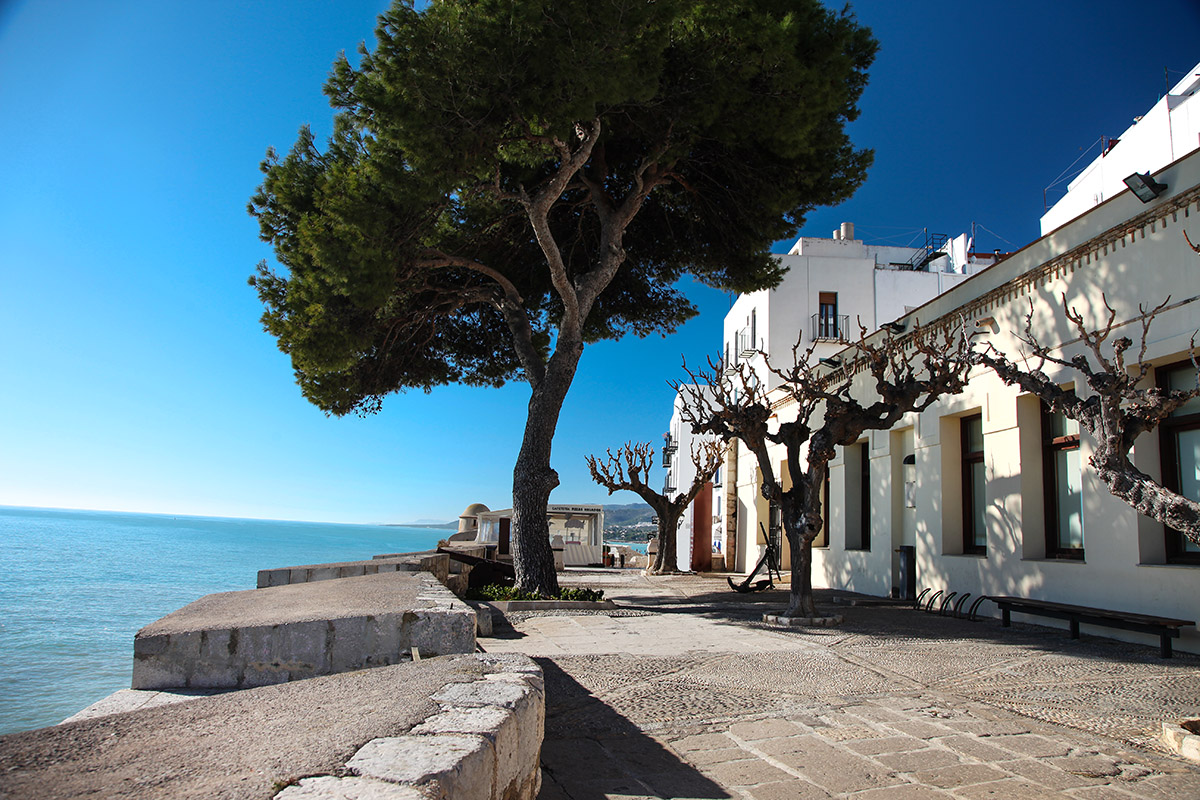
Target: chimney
(847, 231)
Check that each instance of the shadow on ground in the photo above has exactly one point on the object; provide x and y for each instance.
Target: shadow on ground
(591, 752)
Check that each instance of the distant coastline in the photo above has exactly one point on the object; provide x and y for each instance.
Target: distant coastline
(441, 526)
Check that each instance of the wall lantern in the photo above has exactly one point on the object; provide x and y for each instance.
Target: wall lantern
(893, 327)
(1145, 187)
(832, 361)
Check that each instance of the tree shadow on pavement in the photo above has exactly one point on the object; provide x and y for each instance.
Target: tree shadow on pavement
(591, 752)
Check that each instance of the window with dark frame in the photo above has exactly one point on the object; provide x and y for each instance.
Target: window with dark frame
(974, 486)
(828, 310)
(1062, 478)
(861, 539)
(1179, 446)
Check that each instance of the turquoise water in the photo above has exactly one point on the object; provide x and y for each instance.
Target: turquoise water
(75, 586)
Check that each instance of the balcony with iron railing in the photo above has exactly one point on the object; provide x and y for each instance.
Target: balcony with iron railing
(830, 327)
(670, 446)
(669, 485)
(747, 344)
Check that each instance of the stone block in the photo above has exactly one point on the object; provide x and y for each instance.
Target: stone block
(282, 633)
(327, 787)
(457, 766)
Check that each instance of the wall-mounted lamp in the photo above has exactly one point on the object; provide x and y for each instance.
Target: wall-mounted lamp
(1144, 187)
(893, 327)
(910, 459)
(832, 361)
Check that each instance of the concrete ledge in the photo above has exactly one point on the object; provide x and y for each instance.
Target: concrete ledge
(484, 743)
(251, 744)
(236, 640)
(431, 561)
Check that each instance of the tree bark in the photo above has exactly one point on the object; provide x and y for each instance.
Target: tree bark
(533, 477)
(800, 599)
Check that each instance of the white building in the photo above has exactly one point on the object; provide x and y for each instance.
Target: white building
(832, 286)
(995, 496)
(580, 527)
(700, 526)
(1161, 136)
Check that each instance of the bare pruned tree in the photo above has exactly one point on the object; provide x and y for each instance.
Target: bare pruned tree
(1119, 409)
(905, 373)
(627, 469)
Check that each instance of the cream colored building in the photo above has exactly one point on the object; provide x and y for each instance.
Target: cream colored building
(995, 497)
(581, 528)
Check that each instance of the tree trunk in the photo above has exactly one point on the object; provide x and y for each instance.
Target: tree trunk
(667, 558)
(800, 600)
(533, 477)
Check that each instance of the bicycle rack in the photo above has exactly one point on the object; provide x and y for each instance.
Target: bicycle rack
(946, 604)
(920, 597)
(957, 612)
(932, 600)
(975, 607)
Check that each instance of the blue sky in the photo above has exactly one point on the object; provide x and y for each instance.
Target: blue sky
(134, 374)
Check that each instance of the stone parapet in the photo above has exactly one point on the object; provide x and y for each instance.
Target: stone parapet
(236, 640)
(433, 562)
(484, 743)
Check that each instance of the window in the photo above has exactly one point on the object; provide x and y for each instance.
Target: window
(1180, 448)
(1063, 480)
(858, 496)
(974, 486)
(827, 316)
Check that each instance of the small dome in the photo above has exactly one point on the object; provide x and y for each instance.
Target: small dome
(474, 509)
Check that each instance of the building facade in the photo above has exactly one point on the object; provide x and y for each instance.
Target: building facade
(993, 494)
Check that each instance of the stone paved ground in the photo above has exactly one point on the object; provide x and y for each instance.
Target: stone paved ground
(692, 697)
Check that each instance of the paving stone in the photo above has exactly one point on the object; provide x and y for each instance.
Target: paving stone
(885, 744)
(1029, 744)
(746, 772)
(874, 713)
(1010, 789)
(838, 734)
(764, 729)
(795, 789)
(832, 769)
(918, 760)
(975, 748)
(1093, 766)
(907, 792)
(986, 727)
(1048, 775)
(1102, 793)
(921, 730)
(704, 741)
(959, 775)
(703, 757)
(1169, 787)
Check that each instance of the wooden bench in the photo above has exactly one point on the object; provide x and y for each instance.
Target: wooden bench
(1165, 628)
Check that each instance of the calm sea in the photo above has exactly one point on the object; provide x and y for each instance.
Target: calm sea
(75, 586)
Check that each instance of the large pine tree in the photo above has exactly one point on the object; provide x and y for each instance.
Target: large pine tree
(511, 179)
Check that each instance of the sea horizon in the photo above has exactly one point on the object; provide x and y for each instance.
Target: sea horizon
(77, 584)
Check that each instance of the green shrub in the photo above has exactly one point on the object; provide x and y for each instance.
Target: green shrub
(497, 592)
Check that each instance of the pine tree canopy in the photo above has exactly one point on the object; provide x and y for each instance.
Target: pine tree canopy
(504, 171)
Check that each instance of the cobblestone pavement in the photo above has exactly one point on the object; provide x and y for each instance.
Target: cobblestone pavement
(698, 699)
